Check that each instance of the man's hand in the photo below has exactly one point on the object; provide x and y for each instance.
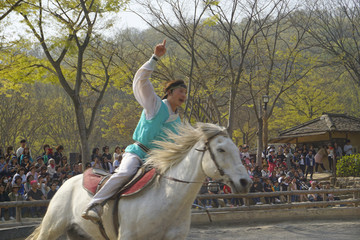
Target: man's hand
(160, 49)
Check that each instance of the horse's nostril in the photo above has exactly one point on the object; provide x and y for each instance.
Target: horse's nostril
(243, 182)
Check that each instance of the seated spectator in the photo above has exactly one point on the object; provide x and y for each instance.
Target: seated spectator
(27, 185)
(52, 191)
(51, 167)
(96, 162)
(21, 173)
(47, 154)
(33, 173)
(64, 164)
(294, 187)
(34, 195)
(4, 169)
(26, 153)
(76, 170)
(314, 196)
(40, 161)
(42, 186)
(26, 164)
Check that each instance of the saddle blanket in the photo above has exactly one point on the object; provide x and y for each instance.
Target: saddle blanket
(94, 179)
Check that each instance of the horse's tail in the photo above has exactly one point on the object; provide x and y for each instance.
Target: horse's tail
(35, 234)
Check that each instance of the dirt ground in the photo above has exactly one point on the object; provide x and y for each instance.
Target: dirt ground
(339, 230)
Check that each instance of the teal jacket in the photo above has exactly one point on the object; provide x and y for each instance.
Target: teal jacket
(151, 130)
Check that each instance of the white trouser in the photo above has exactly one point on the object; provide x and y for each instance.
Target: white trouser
(128, 167)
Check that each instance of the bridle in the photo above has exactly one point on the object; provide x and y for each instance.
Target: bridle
(212, 156)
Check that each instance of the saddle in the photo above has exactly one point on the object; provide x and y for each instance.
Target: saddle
(94, 179)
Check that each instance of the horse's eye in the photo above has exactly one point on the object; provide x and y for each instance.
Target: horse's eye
(221, 150)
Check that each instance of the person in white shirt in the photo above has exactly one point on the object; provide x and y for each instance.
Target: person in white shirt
(348, 148)
(158, 116)
(20, 150)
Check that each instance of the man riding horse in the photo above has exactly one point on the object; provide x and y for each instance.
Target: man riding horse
(158, 116)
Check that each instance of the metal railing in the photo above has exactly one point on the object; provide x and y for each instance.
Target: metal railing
(354, 201)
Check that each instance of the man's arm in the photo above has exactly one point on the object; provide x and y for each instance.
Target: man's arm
(143, 89)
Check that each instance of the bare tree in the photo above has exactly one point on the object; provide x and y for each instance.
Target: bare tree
(336, 29)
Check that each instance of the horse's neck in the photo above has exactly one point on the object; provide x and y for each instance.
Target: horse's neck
(190, 170)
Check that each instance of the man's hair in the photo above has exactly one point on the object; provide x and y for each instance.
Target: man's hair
(23, 141)
(171, 85)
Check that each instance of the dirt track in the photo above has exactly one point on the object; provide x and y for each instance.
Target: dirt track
(339, 230)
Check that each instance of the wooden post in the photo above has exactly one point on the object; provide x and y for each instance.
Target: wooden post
(18, 214)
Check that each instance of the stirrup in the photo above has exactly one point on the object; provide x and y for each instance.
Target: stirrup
(96, 210)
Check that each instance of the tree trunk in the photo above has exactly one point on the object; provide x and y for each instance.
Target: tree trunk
(230, 126)
(265, 129)
(259, 142)
(83, 132)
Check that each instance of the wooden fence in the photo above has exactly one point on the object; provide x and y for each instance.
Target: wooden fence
(354, 200)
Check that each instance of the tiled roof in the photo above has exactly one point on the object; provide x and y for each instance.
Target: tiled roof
(328, 122)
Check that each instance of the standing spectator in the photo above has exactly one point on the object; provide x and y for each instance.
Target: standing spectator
(20, 150)
(58, 154)
(294, 187)
(245, 153)
(214, 188)
(268, 187)
(271, 159)
(14, 196)
(256, 187)
(310, 163)
(331, 156)
(289, 157)
(319, 158)
(33, 195)
(338, 151)
(302, 162)
(348, 148)
(4, 197)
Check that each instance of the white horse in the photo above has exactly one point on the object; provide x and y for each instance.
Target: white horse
(163, 210)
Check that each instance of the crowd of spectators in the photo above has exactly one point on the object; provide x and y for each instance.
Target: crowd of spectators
(283, 169)
(25, 177)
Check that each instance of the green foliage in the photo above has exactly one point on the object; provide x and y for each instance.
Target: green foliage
(348, 166)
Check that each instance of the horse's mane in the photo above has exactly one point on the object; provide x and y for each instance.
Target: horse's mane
(176, 146)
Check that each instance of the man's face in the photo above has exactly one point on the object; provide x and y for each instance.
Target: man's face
(177, 97)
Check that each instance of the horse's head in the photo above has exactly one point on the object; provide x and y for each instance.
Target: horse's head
(222, 159)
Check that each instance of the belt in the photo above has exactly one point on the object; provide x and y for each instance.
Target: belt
(142, 147)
